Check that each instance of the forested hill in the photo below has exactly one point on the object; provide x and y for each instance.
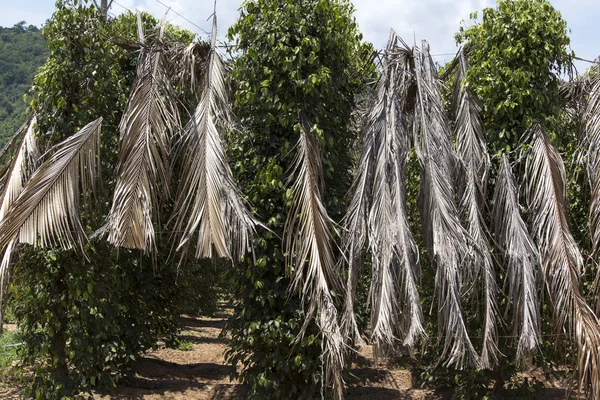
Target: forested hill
(22, 51)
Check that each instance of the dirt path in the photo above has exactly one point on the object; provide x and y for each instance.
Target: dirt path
(201, 373)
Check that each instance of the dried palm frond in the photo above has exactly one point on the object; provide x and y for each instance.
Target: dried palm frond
(18, 171)
(47, 210)
(472, 153)
(561, 259)
(189, 62)
(378, 213)
(208, 202)
(143, 170)
(445, 238)
(308, 245)
(591, 153)
(396, 308)
(522, 260)
(10, 149)
(22, 165)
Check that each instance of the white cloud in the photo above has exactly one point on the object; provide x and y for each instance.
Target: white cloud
(198, 12)
(434, 20)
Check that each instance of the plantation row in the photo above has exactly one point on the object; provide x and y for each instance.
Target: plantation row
(337, 194)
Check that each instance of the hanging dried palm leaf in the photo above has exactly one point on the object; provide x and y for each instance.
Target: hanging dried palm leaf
(18, 171)
(378, 213)
(522, 262)
(590, 144)
(445, 238)
(208, 202)
(561, 259)
(47, 210)
(189, 62)
(143, 170)
(472, 152)
(309, 251)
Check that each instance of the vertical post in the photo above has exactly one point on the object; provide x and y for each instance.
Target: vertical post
(104, 6)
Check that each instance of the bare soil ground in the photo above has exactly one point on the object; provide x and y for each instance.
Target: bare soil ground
(201, 373)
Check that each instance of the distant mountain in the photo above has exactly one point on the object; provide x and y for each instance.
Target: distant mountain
(22, 51)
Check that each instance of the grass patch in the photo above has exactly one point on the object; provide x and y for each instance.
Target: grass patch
(184, 345)
(9, 342)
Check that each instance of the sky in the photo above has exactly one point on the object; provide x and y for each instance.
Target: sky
(434, 20)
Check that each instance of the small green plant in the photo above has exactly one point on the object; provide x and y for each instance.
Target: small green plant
(184, 345)
(9, 342)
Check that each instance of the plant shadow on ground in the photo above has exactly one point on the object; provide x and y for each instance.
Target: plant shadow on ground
(217, 322)
(159, 377)
(376, 380)
(196, 339)
(201, 374)
(184, 374)
(398, 378)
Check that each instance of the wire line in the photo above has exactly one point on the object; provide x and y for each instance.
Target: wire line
(174, 11)
(169, 9)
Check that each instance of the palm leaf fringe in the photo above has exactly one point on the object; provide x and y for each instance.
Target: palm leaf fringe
(309, 250)
(18, 171)
(561, 259)
(22, 165)
(472, 152)
(13, 146)
(522, 260)
(47, 210)
(189, 62)
(590, 144)
(444, 236)
(208, 202)
(355, 236)
(143, 170)
(378, 213)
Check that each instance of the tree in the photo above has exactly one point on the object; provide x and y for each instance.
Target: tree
(86, 312)
(19, 26)
(21, 54)
(301, 68)
(516, 55)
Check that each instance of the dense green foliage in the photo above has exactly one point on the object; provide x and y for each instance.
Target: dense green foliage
(9, 342)
(22, 51)
(516, 55)
(85, 319)
(296, 56)
(85, 77)
(84, 322)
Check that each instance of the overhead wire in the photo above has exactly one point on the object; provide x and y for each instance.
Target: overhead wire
(175, 12)
(226, 45)
(171, 10)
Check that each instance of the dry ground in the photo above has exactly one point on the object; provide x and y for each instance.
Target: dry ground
(201, 373)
